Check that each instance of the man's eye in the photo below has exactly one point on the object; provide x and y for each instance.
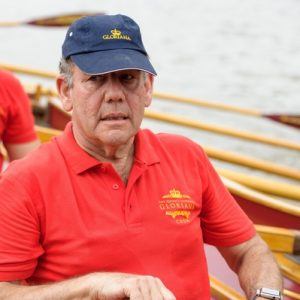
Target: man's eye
(92, 78)
(95, 78)
(127, 77)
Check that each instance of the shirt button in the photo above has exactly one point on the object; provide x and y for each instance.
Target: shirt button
(115, 186)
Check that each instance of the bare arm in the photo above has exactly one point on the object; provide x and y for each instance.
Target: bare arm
(109, 286)
(16, 151)
(255, 265)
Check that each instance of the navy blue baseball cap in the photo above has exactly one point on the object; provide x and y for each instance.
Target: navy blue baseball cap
(106, 43)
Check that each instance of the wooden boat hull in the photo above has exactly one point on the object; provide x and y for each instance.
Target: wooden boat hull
(264, 209)
(57, 118)
(264, 215)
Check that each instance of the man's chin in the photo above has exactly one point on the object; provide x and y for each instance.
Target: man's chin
(116, 138)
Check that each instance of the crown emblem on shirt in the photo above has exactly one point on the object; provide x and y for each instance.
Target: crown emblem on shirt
(116, 35)
(175, 194)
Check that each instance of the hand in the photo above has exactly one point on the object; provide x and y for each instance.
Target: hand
(116, 286)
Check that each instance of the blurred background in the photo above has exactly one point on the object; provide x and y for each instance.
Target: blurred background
(239, 52)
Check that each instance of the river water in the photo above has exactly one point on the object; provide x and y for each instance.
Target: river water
(238, 52)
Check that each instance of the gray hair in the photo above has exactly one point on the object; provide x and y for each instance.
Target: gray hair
(66, 70)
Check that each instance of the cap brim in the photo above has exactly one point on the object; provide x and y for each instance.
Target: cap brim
(107, 61)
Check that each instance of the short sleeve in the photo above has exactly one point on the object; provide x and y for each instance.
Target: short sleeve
(19, 232)
(223, 221)
(19, 127)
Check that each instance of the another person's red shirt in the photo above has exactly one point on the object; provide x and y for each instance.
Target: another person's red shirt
(16, 119)
(63, 213)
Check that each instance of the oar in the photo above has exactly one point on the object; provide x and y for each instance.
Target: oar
(289, 267)
(255, 198)
(222, 291)
(175, 119)
(280, 239)
(265, 185)
(287, 119)
(29, 71)
(57, 21)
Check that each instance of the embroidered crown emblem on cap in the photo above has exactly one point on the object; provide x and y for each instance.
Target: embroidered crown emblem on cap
(116, 35)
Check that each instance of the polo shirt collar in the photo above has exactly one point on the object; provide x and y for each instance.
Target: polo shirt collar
(76, 157)
(81, 161)
(145, 148)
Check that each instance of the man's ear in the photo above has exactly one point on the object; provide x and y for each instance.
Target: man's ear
(149, 89)
(64, 93)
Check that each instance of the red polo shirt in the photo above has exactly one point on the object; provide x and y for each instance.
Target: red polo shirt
(16, 119)
(63, 213)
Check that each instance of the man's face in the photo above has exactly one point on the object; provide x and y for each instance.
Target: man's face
(108, 109)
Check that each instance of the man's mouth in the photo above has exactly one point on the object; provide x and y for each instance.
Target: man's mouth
(114, 117)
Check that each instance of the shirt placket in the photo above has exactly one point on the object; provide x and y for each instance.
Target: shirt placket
(132, 203)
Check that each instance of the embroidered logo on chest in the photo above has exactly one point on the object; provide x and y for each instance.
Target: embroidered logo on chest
(178, 206)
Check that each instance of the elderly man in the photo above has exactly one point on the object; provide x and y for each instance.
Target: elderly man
(110, 211)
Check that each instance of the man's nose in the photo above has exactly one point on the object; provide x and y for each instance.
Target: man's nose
(114, 91)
